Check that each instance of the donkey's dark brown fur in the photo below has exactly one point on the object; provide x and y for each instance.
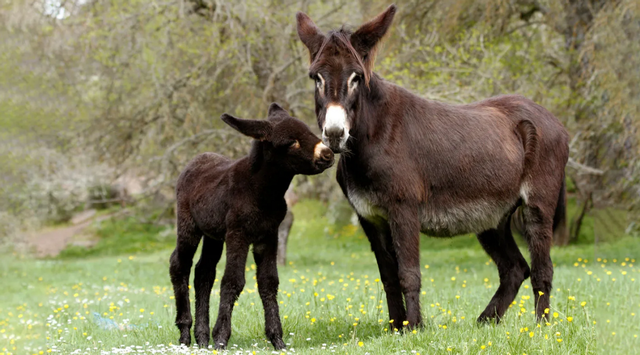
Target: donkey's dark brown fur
(239, 203)
(410, 165)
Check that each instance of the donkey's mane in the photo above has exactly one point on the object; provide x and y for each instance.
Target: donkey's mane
(342, 38)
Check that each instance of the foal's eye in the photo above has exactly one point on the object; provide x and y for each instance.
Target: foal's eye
(294, 145)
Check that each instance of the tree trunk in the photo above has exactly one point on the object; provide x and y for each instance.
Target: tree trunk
(576, 223)
(283, 236)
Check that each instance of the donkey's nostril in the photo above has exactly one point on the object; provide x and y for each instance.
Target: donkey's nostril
(333, 132)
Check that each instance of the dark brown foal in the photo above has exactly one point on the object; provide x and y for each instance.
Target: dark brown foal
(239, 203)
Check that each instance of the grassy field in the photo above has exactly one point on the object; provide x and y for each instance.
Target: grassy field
(330, 297)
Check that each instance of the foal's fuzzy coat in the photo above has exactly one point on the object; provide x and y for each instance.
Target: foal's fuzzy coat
(239, 203)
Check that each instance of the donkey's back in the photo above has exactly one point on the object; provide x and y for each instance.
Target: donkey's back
(476, 161)
(466, 166)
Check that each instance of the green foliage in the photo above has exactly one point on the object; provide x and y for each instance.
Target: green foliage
(136, 87)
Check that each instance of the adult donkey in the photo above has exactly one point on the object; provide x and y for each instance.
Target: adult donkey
(410, 165)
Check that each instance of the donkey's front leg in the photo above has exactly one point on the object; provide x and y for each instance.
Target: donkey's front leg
(232, 284)
(405, 231)
(265, 255)
(382, 245)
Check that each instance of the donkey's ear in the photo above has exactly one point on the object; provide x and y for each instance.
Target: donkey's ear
(309, 34)
(257, 129)
(274, 109)
(367, 36)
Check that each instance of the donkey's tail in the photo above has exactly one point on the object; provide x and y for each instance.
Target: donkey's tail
(529, 136)
(560, 216)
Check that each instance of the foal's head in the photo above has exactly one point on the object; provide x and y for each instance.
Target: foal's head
(341, 65)
(285, 142)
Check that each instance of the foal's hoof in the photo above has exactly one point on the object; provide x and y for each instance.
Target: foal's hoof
(203, 343)
(219, 345)
(278, 344)
(202, 338)
(186, 341)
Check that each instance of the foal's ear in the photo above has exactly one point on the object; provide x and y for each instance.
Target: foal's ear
(367, 36)
(274, 109)
(257, 129)
(309, 34)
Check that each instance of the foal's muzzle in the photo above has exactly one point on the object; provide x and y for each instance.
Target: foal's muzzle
(323, 157)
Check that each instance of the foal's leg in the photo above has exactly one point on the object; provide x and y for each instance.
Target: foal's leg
(265, 255)
(512, 268)
(232, 284)
(180, 268)
(382, 246)
(204, 278)
(405, 231)
(538, 223)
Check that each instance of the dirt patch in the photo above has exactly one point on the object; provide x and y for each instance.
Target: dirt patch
(50, 242)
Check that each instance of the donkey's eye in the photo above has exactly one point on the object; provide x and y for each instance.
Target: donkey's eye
(353, 81)
(319, 81)
(294, 145)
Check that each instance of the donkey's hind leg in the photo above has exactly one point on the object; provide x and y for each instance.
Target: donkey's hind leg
(204, 278)
(512, 268)
(181, 260)
(538, 231)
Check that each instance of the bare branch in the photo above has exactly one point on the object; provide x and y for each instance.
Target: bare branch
(583, 169)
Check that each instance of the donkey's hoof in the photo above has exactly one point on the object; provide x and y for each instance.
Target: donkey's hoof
(278, 344)
(485, 319)
(542, 318)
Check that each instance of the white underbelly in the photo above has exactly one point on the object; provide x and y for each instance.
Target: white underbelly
(363, 206)
(470, 217)
(445, 221)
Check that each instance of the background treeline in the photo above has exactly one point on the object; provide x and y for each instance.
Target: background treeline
(107, 96)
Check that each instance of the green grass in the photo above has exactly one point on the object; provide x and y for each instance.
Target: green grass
(330, 299)
(124, 236)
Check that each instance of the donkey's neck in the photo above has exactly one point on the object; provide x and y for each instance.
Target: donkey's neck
(372, 120)
(271, 180)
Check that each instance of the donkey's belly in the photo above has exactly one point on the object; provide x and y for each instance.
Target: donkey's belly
(471, 217)
(438, 220)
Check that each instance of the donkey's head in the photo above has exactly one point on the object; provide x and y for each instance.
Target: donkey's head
(342, 66)
(285, 142)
